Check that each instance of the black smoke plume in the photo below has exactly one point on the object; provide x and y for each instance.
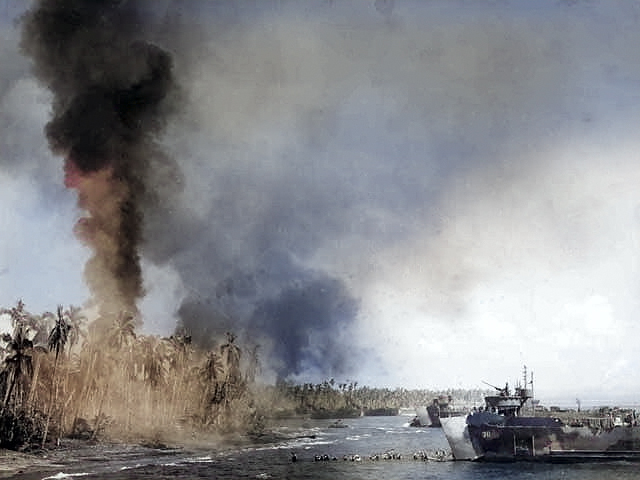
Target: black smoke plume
(113, 91)
(109, 89)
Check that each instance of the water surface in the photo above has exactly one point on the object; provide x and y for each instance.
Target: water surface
(363, 437)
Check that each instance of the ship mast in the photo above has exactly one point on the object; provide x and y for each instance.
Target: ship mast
(530, 382)
(533, 398)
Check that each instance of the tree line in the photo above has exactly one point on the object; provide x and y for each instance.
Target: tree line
(63, 376)
(331, 397)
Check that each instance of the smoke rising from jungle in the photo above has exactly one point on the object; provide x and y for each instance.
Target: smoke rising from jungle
(291, 184)
(108, 87)
(328, 155)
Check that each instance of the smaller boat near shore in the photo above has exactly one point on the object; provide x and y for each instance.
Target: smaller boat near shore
(500, 431)
(444, 407)
(338, 424)
(421, 418)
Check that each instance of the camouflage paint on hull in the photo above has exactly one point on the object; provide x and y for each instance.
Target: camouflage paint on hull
(490, 437)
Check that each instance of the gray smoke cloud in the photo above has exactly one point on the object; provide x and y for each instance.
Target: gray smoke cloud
(321, 143)
(311, 147)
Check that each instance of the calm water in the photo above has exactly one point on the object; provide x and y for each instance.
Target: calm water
(364, 437)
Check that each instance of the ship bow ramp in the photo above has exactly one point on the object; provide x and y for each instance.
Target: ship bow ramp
(457, 433)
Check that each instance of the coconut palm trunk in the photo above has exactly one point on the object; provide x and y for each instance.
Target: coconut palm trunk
(34, 384)
(57, 341)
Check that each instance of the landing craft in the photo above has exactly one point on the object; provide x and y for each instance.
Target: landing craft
(500, 432)
(421, 418)
(443, 407)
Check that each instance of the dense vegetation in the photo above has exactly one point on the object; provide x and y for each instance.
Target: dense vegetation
(336, 399)
(62, 376)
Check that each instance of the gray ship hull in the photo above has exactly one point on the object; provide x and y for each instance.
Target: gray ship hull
(489, 437)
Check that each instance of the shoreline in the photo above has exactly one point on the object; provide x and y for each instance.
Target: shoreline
(73, 455)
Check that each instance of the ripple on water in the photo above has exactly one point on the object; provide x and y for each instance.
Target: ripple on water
(62, 475)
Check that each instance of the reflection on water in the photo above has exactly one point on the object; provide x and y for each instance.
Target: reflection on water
(350, 454)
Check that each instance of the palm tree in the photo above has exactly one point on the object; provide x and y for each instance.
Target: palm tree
(213, 369)
(221, 378)
(211, 376)
(230, 356)
(17, 313)
(180, 345)
(153, 368)
(57, 341)
(75, 319)
(123, 331)
(59, 335)
(77, 322)
(18, 361)
(37, 327)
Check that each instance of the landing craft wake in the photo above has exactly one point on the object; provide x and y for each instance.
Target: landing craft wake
(498, 432)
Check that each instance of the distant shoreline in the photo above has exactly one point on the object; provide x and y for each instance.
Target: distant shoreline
(587, 403)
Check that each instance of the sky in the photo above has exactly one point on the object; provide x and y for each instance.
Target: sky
(419, 194)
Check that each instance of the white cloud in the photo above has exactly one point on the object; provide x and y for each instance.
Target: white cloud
(540, 271)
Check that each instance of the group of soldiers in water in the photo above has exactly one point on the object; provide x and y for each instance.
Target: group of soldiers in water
(437, 455)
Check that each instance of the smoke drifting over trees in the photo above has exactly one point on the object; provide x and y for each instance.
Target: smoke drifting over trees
(339, 181)
(112, 93)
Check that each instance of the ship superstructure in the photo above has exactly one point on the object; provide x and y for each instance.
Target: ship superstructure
(505, 430)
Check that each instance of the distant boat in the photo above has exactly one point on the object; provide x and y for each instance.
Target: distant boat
(421, 418)
(498, 432)
(444, 407)
(338, 424)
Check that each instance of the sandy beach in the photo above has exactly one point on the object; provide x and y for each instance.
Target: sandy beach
(73, 455)
(13, 463)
